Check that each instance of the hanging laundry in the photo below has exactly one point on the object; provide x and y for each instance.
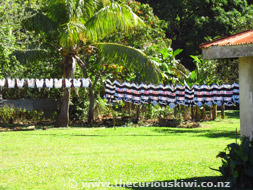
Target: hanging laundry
(119, 91)
(153, 94)
(235, 93)
(172, 96)
(68, 83)
(58, 83)
(217, 95)
(136, 94)
(162, 97)
(30, 83)
(207, 94)
(11, 83)
(189, 95)
(86, 82)
(20, 83)
(49, 83)
(2, 83)
(109, 91)
(77, 83)
(180, 95)
(198, 96)
(144, 93)
(227, 94)
(39, 83)
(126, 90)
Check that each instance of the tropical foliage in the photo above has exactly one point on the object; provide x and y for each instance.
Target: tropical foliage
(237, 164)
(122, 40)
(191, 23)
(77, 25)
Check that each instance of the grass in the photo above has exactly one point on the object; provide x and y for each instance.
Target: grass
(53, 158)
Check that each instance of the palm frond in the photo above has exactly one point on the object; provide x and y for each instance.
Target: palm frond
(86, 8)
(73, 8)
(72, 33)
(56, 10)
(110, 19)
(71, 15)
(145, 68)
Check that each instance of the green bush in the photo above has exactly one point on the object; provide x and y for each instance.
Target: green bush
(79, 105)
(9, 115)
(237, 164)
(6, 114)
(159, 112)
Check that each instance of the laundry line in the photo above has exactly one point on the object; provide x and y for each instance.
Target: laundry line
(45, 83)
(209, 95)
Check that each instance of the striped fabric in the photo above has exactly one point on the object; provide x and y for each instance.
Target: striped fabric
(172, 95)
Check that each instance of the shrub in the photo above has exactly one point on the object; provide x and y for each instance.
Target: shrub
(79, 105)
(9, 115)
(237, 164)
(6, 114)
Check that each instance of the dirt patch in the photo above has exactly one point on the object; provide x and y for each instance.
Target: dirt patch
(189, 124)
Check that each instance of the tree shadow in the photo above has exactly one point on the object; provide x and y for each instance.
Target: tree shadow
(202, 133)
(133, 135)
(78, 135)
(181, 184)
(163, 132)
(233, 115)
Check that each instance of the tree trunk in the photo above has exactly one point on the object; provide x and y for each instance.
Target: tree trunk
(63, 117)
(92, 101)
(203, 114)
(211, 113)
(192, 113)
(223, 111)
(129, 109)
(175, 112)
(138, 111)
(91, 106)
(197, 113)
(185, 113)
(123, 111)
(68, 68)
(214, 111)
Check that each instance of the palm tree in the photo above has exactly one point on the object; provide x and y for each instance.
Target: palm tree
(81, 24)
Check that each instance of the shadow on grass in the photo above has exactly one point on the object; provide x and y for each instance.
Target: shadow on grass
(181, 184)
(77, 135)
(162, 132)
(233, 115)
(202, 133)
(124, 135)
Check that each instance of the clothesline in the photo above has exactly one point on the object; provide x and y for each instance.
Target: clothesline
(172, 95)
(48, 83)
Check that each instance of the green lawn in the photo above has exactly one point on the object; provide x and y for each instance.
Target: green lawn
(53, 158)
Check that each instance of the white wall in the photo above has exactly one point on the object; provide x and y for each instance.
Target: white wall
(246, 95)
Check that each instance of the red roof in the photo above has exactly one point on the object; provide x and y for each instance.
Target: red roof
(245, 37)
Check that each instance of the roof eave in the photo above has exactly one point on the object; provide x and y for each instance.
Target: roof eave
(228, 51)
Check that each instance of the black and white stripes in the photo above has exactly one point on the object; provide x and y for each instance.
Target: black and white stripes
(172, 95)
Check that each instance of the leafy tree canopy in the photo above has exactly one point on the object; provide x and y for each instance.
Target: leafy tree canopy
(191, 23)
